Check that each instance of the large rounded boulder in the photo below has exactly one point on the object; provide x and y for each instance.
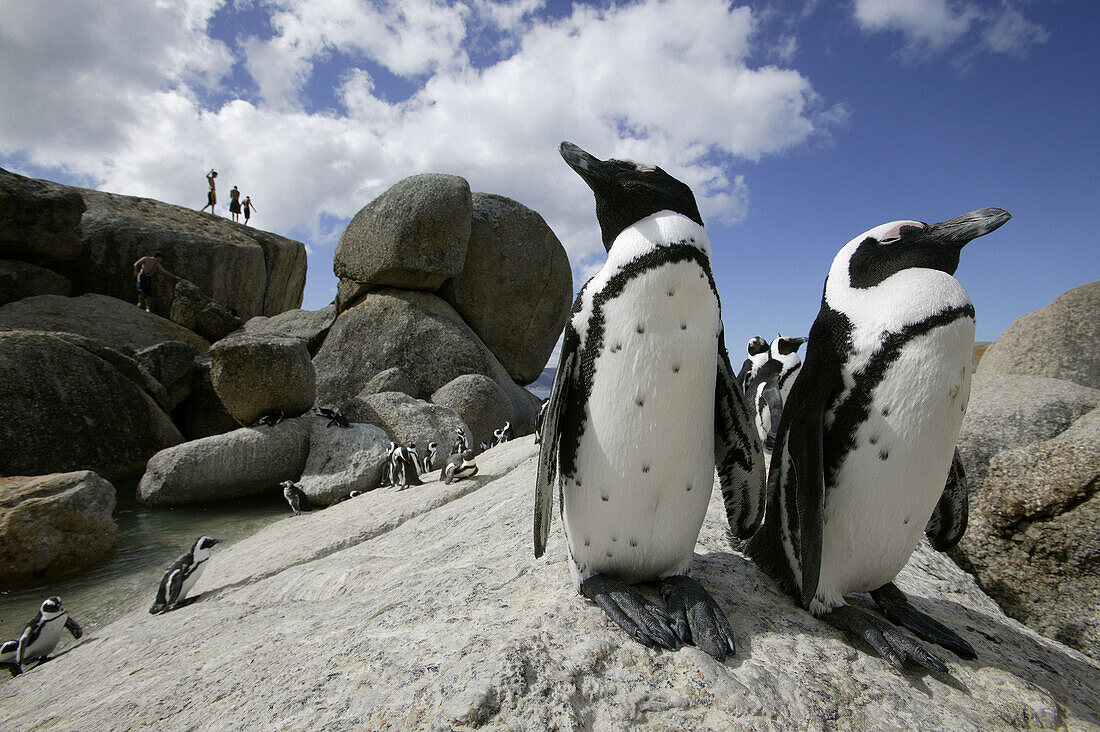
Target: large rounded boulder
(310, 325)
(416, 332)
(259, 374)
(480, 402)
(54, 525)
(516, 288)
(342, 460)
(412, 236)
(38, 219)
(1059, 341)
(63, 408)
(405, 419)
(20, 279)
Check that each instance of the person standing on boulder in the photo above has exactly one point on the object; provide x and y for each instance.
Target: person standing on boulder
(144, 269)
(211, 197)
(235, 203)
(246, 204)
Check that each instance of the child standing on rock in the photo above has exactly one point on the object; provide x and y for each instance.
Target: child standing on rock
(144, 269)
(247, 205)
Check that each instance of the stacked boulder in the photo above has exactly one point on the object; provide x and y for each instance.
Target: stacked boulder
(1030, 444)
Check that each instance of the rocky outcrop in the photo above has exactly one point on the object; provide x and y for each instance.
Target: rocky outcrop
(38, 219)
(110, 321)
(248, 271)
(202, 414)
(1060, 341)
(244, 462)
(172, 363)
(516, 288)
(413, 236)
(480, 402)
(456, 625)
(310, 325)
(20, 279)
(1033, 541)
(63, 408)
(258, 374)
(416, 332)
(406, 420)
(393, 379)
(53, 525)
(342, 460)
(192, 309)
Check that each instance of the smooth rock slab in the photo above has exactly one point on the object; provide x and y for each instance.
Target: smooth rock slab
(19, 280)
(426, 609)
(258, 374)
(342, 460)
(244, 462)
(54, 525)
(516, 288)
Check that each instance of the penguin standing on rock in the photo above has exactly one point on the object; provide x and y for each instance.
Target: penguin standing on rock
(182, 576)
(458, 467)
(431, 461)
(864, 458)
(644, 406)
(7, 656)
(768, 384)
(296, 497)
(405, 470)
(41, 635)
(758, 356)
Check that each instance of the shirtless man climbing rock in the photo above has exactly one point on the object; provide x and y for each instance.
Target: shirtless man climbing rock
(144, 269)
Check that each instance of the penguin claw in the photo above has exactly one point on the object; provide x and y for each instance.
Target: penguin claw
(641, 619)
(895, 606)
(888, 641)
(697, 618)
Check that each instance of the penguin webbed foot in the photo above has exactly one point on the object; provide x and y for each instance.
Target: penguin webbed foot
(696, 616)
(645, 622)
(892, 644)
(895, 606)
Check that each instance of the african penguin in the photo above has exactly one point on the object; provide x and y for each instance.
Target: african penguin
(42, 634)
(458, 467)
(430, 462)
(785, 351)
(539, 420)
(334, 416)
(768, 386)
(865, 457)
(296, 497)
(462, 444)
(758, 356)
(7, 656)
(405, 470)
(387, 467)
(182, 576)
(644, 404)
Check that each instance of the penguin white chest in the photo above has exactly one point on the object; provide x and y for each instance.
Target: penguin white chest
(645, 460)
(888, 485)
(47, 639)
(190, 581)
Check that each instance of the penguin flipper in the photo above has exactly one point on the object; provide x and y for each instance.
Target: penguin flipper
(948, 522)
(738, 454)
(547, 479)
(173, 587)
(73, 627)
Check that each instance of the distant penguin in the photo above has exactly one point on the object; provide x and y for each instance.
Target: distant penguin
(42, 634)
(505, 433)
(417, 462)
(387, 467)
(269, 420)
(431, 462)
(334, 416)
(865, 456)
(770, 383)
(483, 447)
(182, 576)
(458, 467)
(296, 497)
(405, 470)
(462, 443)
(7, 656)
(785, 351)
(498, 437)
(644, 406)
(539, 418)
(758, 356)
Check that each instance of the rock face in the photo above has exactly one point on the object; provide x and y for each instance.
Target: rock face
(456, 625)
(202, 413)
(405, 419)
(255, 375)
(19, 280)
(1033, 541)
(413, 236)
(416, 332)
(244, 462)
(309, 325)
(342, 459)
(393, 379)
(249, 271)
(195, 311)
(1060, 341)
(38, 219)
(480, 402)
(63, 408)
(53, 525)
(108, 320)
(172, 363)
(516, 288)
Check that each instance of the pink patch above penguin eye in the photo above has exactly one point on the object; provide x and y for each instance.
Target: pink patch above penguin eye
(894, 234)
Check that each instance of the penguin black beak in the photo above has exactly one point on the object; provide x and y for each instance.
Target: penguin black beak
(799, 341)
(963, 229)
(586, 165)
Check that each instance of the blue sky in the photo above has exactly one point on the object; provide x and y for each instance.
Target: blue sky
(798, 123)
